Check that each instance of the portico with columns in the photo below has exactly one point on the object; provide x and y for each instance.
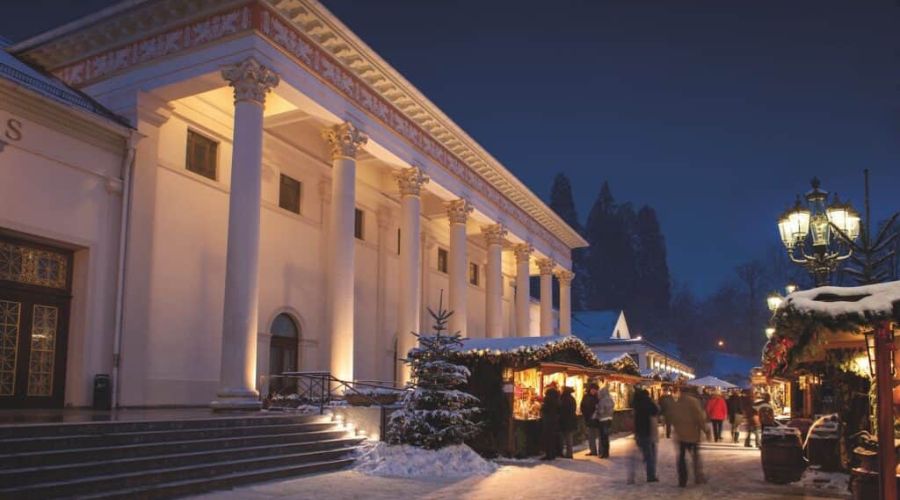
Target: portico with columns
(335, 197)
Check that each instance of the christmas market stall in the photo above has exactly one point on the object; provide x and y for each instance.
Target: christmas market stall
(839, 344)
(780, 392)
(510, 377)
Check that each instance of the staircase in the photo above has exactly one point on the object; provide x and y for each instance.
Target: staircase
(165, 458)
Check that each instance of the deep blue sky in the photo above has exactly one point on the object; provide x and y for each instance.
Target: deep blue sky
(714, 112)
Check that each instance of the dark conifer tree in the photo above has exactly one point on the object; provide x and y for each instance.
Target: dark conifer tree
(653, 284)
(610, 260)
(563, 203)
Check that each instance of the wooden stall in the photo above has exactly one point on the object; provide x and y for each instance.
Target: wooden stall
(510, 377)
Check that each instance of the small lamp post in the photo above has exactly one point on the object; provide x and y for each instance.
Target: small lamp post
(806, 232)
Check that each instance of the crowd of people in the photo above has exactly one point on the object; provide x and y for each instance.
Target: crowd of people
(687, 414)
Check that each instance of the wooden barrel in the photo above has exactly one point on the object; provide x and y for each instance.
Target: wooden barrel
(824, 451)
(782, 457)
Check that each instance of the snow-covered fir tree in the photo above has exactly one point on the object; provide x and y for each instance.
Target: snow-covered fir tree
(435, 413)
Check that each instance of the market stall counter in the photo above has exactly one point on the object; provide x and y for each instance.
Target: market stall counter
(510, 377)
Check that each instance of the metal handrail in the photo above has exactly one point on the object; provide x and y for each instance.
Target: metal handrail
(328, 384)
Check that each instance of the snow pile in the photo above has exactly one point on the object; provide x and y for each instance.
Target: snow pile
(820, 482)
(861, 301)
(409, 461)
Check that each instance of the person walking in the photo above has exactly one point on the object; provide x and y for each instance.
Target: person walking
(568, 422)
(716, 411)
(646, 434)
(749, 414)
(689, 421)
(588, 405)
(734, 415)
(550, 423)
(666, 403)
(604, 414)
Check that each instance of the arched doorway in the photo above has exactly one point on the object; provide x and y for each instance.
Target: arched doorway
(283, 352)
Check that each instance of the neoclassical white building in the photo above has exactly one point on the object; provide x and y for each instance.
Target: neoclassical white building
(276, 198)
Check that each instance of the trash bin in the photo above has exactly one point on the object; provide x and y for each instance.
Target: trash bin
(102, 392)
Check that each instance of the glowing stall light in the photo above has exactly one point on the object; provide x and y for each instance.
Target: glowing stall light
(774, 301)
(769, 332)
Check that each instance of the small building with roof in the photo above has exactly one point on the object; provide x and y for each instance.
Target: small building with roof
(607, 335)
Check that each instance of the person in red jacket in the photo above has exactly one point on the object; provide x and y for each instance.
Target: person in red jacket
(717, 411)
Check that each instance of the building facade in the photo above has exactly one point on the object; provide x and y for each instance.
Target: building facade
(281, 199)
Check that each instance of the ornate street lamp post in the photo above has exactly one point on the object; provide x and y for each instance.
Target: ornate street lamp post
(807, 232)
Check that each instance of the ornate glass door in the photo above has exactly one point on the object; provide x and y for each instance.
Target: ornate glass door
(34, 303)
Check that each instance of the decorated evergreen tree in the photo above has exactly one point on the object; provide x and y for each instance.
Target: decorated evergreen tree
(436, 413)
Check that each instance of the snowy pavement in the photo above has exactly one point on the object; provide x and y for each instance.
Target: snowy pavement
(734, 472)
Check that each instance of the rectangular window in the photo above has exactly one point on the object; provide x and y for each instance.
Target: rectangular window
(398, 241)
(289, 194)
(473, 273)
(359, 224)
(443, 257)
(202, 155)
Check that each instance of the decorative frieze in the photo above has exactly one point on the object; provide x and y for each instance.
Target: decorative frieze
(345, 140)
(494, 234)
(546, 265)
(458, 210)
(251, 81)
(410, 181)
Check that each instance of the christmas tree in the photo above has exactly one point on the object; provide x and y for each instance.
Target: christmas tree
(435, 413)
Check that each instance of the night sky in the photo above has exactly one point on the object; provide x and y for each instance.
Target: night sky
(714, 112)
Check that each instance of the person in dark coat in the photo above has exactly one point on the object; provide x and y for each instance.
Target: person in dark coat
(568, 422)
(749, 413)
(666, 404)
(588, 406)
(550, 423)
(646, 434)
(734, 409)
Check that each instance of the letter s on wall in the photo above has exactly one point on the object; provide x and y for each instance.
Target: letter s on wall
(13, 129)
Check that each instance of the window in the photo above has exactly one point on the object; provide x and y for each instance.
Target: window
(202, 155)
(289, 194)
(442, 260)
(359, 224)
(398, 241)
(473, 273)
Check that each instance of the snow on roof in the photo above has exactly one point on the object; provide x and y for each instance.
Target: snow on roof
(612, 357)
(16, 71)
(860, 303)
(509, 344)
(710, 381)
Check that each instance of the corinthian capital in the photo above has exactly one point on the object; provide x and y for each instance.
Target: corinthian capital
(546, 265)
(410, 180)
(494, 234)
(458, 210)
(523, 252)
(251, 80)
(564, 276)
(345, 140)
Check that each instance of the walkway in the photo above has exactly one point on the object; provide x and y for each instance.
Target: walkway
(734, 473)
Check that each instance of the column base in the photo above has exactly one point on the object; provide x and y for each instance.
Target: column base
(236, 400)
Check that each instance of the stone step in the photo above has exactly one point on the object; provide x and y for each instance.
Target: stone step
(111, 453)
(33, 475)
(155, 480)
(221, 482)
(16, 431)
(61, 442)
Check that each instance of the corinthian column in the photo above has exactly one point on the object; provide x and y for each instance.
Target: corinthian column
(494, 235)
(458, 211)
(410, 182)
(523, 289)
(237, 374)
(565, 278)
(345, 141)
(546, 266)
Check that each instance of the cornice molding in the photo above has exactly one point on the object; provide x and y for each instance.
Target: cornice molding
(315, 38)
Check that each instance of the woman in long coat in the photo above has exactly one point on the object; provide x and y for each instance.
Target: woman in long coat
(550, 423)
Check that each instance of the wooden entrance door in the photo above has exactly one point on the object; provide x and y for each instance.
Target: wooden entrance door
(34, 313)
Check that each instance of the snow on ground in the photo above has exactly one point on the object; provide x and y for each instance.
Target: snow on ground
(410, 461)
(734, 473)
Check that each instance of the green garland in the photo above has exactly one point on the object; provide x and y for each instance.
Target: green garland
(567, 350)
